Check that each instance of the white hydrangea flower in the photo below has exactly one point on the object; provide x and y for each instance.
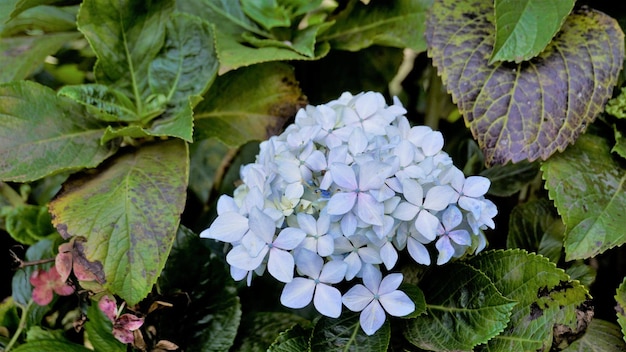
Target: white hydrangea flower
(342, 193)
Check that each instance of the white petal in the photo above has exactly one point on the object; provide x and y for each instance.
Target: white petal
(426, 223)
(405, 150)
(327, 300)
(289, 238)
(472, 205)
(309, 263)
(307, 223)
(373, 174)
(369, 209)
(372, 278)
(446, 251)
(438, 197)
(239, 257)
(297, 293)
(262, 225)
(389, 255)
(418, 252)
(432, 143)
(344, 176)
(357, 298)
(341, 203)
(253, 244)
(397, 303)
(333, 272)
(294, 191)
(225, 204)
(348, 224)
(280, 265)
(413, 192)
(476, 186)
(228, 227)
(325, 245)
(366, 105)
(357, 141)
(372, 318)
(316, 161)
(405, 211)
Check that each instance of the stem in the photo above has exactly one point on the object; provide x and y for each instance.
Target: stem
(20, 327)
(24, 264)
(9, 193)
(353, 337)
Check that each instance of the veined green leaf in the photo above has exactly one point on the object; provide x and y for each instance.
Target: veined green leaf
(27, 223)
(260, 329)
(50, 345)
(589, 190)
(126, 36)
(267, 13)
(100, 331)
(345, 334)
(6, 7)
(107, 103)
(601, 336)
(524, 28)
(620, 297)
(257, 112)
(536, 227)
(41, 134)
(23, 5)
(21, 56)
(210, 158)
(463, 308)
(295, 339)
(399, 23)
(48, 19)
(545, 296)
(530, 110)
(509, 179)
(226, 15)
(129, 213)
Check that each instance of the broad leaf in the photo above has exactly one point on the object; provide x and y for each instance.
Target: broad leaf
(601, 336)
(227, 15)
(463, 308)
(260, 329)
(509, 179)
(129, 212)
(6, 7)
(345, 334)
(20, 285)
(399, 24)
(47, 19)
(296, 339)
(532, 109)
(126, 36)
(534, 226)
(23, 5)
(100, 331)
(106, 103)
(547, 301)
(50, 345)
(620, 297)
(21, 56)
(524, 28)
(267, 13)
(210, 159)
(42, 134)
(589, 190)
(237, 112)
(27, 223)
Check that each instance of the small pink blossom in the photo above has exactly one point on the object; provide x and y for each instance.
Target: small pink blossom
(123, 325)
(47, 282)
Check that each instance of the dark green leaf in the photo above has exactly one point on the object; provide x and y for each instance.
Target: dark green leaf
(23, 5)
(259, 330)
(126, 36)
(237, 112)
(226, 15)
(303, 41)
(266, 12)
(509, 179)
(524, 28)
(601, 336)
(589, 190)
(36, 333)
(41, 18)
(584, 273)
(209, 160)
(463, 307)
(100, 331)
(27, 223)
(399, 24)
(532, 109)
(106, 103)
(42, 134)
(6, 7)
(546, 300)
(296, 339)
(129, 212)
(345, 334)
(417, 296)
(620, 297)
(50, 345)
(21, 56)
(530, 226)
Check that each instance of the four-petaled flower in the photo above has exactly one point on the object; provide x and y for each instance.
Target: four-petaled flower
(46, 283)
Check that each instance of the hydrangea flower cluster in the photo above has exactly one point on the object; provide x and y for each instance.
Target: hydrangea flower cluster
(337, 195)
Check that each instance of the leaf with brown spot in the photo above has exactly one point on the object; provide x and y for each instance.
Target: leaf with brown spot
(530, 110)
(128, 211)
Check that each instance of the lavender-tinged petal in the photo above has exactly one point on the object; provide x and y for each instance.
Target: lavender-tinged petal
(413, 192)
(372, 278)
(280, 265)
(239, 257)
(327, 300)
(389, 255)
(369, 209)
(405, 211)
(228, 227)
(354, 265)
(461, 237)
(390, 283)
(438, 197)
(446, 251)
(307, 223)
(262, 225)
(289, 238)
(325, 245)
(333, 272)
(397, 303)
(297, 293)
(372, 318)
(427, 224)
(316, 161)
(341, 203)
(253, 244)
(343, 176)
(370, 255)
(476, 186)
(418, 252)
(357, 298)
(348, 224)
(308, 263)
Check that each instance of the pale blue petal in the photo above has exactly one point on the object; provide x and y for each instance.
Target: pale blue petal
(341, 203)
(238, 274)
(389, 255)
(348, 224)
(405, 151)
(310, 244)
(390, 283)
(451, 218)
(239, 257)
(372, 278)
(373, 174)
(405, 211)
(366, 105)
(344, 176)
(354, 265)
(397, 303)
(325, 245)
(228, 227)
(357, 298)
(461, 237)
(357, 141)
(323, 223)
(369, 209)
(426, 223)
(225, 204)
(432, 143)
(262, 225)
(342, 245)
(289, 170)
(294, 191)
(418, 252)
(289, 238)
(413, 192)
(438, 197)
(472, 205)
(327, 300)
(476, 186)
(333, 272)
(446, 251)
(253, 244)
(372, 318)
(281, 265)
(370, 255)
(316, 161)
(307, 223)
(297, 293)
(308, 263)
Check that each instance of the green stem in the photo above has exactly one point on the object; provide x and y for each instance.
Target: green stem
(353, 337)
(10, 194)
(20, 327)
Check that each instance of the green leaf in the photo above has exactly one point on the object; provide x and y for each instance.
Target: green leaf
(620, 143)
(6, 7)
(27, 223)
(50, 345)
(257, 112)
(509, 179)
(41, 18)
(104, 102)
(260, 329)
(206, 315)
(464, 309)
(20, 285)
(536, 227)
(126, 36)
(100, 331)
(345, 334)
(601, 336)
(399, 24)
(23, 5)
(42, 134)
(532, 109)
(295, 339)
(21, 56)
(267, 13)
(129, 212)
(617, 105)
(210, 159)
(546, 300)
(524, 28)
(620, 297)
(589, 190)
(303, 41)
